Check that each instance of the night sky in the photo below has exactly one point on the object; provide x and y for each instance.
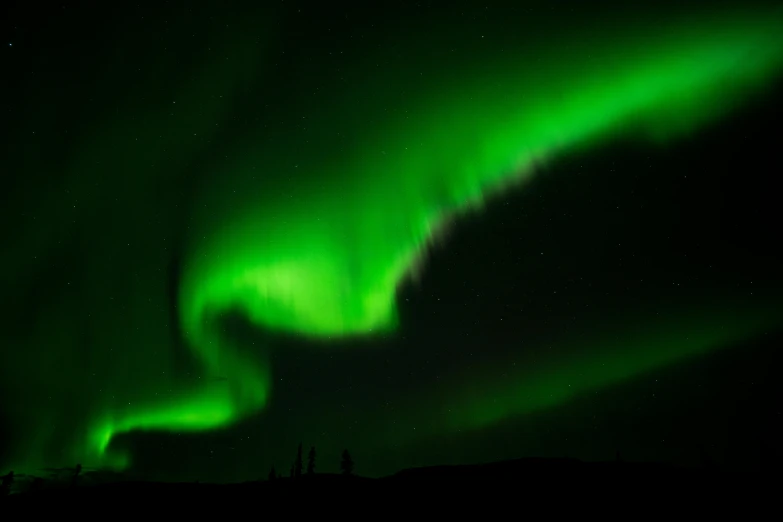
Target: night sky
(428, 235)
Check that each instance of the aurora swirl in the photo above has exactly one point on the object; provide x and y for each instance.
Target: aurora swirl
(323, 255)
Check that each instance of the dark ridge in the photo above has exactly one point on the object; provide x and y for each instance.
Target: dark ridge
(540, 479)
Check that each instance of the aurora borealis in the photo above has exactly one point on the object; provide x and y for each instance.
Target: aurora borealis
(196, 221)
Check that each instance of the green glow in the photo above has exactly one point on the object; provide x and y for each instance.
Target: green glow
(324, 255)
(206, 409)
(488, 393)
(622, 356)
(330, 261)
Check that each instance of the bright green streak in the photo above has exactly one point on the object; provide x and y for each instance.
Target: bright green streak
(204, 410)
(328, 262)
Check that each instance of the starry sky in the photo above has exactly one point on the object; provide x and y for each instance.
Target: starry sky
(427, 235)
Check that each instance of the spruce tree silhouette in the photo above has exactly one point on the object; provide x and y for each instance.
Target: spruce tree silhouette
(298, 463)
(8, 479)
(311, 461)
(272, 474)
(36, 486)
(77, 470)
(346, 465)
(768, 460)
(707, 464)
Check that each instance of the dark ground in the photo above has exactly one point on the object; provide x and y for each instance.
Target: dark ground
(557, 483)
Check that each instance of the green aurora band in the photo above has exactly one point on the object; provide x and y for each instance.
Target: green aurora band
(328, 262)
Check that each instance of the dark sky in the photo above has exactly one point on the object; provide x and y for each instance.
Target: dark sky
(426, 235)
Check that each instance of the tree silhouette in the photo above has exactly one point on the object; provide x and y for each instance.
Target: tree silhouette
(768, 458)
(298, 462)
(706, 461)
(311, 461)
(272, 474)
(36, 486)
(346, 465)
(8, 479)
(77, 470)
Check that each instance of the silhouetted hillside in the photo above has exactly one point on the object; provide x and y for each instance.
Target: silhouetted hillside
(541, 478)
